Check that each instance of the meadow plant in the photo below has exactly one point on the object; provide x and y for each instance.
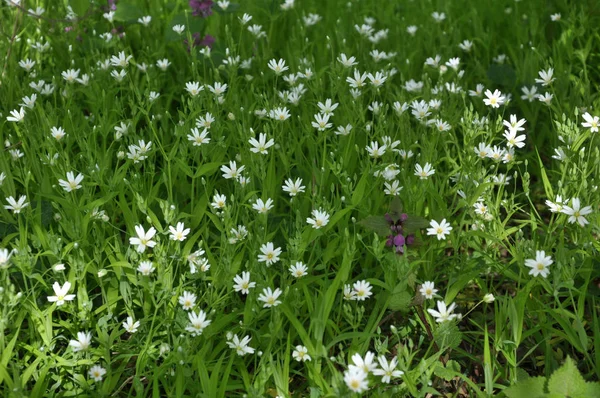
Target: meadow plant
(299, 198)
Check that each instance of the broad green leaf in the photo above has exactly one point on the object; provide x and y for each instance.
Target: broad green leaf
(79, 7)
(567, 381)
(127, 12)
(400, 299)
(376, 224)
(532, 387)
(447, 335)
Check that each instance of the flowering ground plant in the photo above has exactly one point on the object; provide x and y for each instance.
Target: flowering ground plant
(299, 198)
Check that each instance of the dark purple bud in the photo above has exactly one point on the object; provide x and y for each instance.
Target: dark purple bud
(403, 217)
(410, 239)
(388, 218)
(390, 241)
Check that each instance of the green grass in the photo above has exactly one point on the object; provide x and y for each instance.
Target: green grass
(527, 333)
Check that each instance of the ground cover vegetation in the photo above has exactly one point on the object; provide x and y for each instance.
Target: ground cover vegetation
(299, 198)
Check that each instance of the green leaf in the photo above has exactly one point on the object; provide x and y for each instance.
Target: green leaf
(567, 381)
(447, 335)
(401, 299)
(127, 12)
(376, 224)
(448, 372)
(79, 7)
(503, 75)
(414, 223)
(532, 387)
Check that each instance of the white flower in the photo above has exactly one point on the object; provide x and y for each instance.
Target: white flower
(61, 294)
(576, 213)
(130, 326)
(83, 341)
(513, 140)
(16, 115)
(145, 268)
(198, 138)
(545, 77)
(198, 323)
(145, 20)
(356, 380)
(16, 205)
(347, 62)
(194, 88)
(5, 255)
(187, 300)
(270, 255)
(242, 283)
(261, 145)
(72, 183)
(58, 133)
(219, 201)
(320, 219)
(163, 64)
(96, 372)
(269, 297)
(263, 207)
(277, 66)
(489, 298)
(494, 99)
(428, 289)
(514, 124)
(558, 205)
(241, 346)
(392, 189)
(362, 290)
(388, 369)
(143, 239)
(321, 122)
(232, 172)
(217, 89)
(376, 151)
(591, 122)
(539, 266)
(441, 230)
(179, 233)
(546, 98)
(298, 270)
(443, 314)
(293, 187)
(300, 354)
(178, 29)
(424, 172)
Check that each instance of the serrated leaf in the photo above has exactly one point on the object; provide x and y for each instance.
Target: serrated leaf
(127, 12)
(376, 224)
(395, 209)
(400, 299)
(414, 223)
(447, 335)
(532, 387)
(449, 371)
(79, 7)
(567, 380)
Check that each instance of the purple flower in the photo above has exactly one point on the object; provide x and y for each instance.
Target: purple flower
(206, 41)
(201, 8)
